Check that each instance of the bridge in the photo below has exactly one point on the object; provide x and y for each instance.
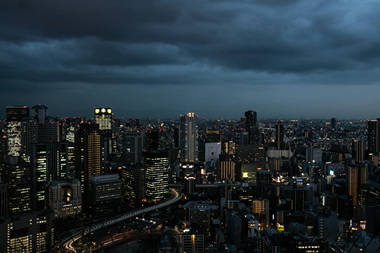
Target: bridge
(68, 243)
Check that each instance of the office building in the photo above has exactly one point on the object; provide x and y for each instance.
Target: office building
(105, 193)
(313, 154)
(155, 140)
(189, 137)
(15, 114)
(64, 198)
(261, 207)
(373, 136)
(29, 232)
(132, 143)
(3, 198)
(200, 212)
(192, 241)
(333, 123)
(226, 167)
(103, 117)
(358, 151)
(212, 151)
(240, 137)
(39, 128)
(280, 145)
(133, 182)
(71, 125)
(89, 157)
(251, 126)
(356, 176)
(299, 197)
(49, 161)
(21, 183)
(156, 175)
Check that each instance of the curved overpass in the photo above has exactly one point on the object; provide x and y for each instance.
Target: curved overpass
(68, 243)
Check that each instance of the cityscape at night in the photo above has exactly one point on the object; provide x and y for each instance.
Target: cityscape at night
(160, 126)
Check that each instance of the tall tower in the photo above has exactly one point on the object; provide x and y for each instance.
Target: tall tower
(156, 174)
(333, 123)
(49, 161)
(280, 135)
(355, 178)
(251, 127)
(89, 157)
(15, 114)
(373, 136)
(37, 129)
(20, 179)
(103, 117)
(189, 137)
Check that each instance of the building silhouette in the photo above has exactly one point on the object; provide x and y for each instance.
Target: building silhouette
(189, 137)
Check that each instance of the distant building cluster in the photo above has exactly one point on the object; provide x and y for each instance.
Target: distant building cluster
(247, 185)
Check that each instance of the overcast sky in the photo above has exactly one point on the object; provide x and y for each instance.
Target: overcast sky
(282, 58)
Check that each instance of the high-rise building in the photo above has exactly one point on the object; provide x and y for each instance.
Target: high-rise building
(299, 197)
(251, 126)
(132, 143)
(192, 241)
(333, 123)
(20, 178)
(39, 128)
(355, 177)
(49, 161)
(89, 157)
(212, 151)
(226, 166)
(373, 136)
(261, 207)
(29, 232)
(15, 114)
(156, 174)
(251, 154)
(358, 151)
(280, 135)
(103, 117)
(189, 137)
(133, 182)
(3, 199)
(71, 125)
(155, 140)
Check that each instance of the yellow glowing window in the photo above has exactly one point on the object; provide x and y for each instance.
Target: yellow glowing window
(245, 174)
(97, 110)
(109, 110)
(103, 110)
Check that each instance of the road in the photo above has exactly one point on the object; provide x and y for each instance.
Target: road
(68, 243)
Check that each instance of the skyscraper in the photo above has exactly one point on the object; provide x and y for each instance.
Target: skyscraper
(89, 156)
(251, 127)
(156, 174)
(49, 161)
(189, 137)
(358, 150)
(15, 114)
(38, 129)
(373, 136)
(19, 177)
(280, 135)
(355, 177)
(132, 143)
(333, 123)
(103, 117)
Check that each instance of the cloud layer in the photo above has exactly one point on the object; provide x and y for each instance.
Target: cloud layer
(56, 44)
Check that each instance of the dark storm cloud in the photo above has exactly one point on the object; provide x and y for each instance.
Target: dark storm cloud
(189, 42)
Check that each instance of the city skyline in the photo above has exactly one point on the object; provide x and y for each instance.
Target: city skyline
(285, 59)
